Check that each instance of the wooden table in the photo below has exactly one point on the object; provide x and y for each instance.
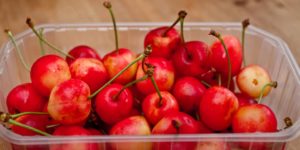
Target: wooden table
(279, 17)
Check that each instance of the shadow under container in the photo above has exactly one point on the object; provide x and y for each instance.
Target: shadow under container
(260, 48)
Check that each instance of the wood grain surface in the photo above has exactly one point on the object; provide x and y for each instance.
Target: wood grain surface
(279, 17)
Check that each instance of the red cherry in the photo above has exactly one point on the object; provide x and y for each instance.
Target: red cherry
(112, 107)
(217, 56)
(91, 71)
(192, 58)
(188, 92)
(24, 98)
(217, 107)
(35, 121)
(116, 60)
(73, 131)
(155, 108)
(162, 45)
(48, 71)
(82, 51)
(69, 103)
(163, 75)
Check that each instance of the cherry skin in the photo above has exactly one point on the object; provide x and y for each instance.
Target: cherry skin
(91, 71)
(213, 144)
(192, 58)
(251, 80)
(69, 103)
(176, 123)
(188, 92)
(35, 121)
(24, 98)
(82, 51)
(134, 125)
(155, 108)
(73, 131)
(163, 75)
(112, 108)
(217, 107)
(254, 118)
(116, 60)
(162, 45)
(217, 56)
(47, 72)
(244, 99)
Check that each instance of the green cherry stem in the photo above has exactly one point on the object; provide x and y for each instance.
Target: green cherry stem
(11, 121)
(130, 84)
(245, 24)
(41, 42)
(11, 37)
(218, 35)
(142, 56)
(52, 126)
(28, 113)
(108, 5)
(7, 118)
(205, 83)
(271, 84)
(181, 15)
(156, 88)
(31, 25)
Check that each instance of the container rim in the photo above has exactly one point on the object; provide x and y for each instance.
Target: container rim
(282, 136)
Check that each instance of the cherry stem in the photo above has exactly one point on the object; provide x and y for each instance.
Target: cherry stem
(288, 122)
(31, 25)
(27, 113)
(11, 37)
(130, 84)
(146, 53)
(176, 125)
(7, 118)
(205, 83)
(218, 35)
(245, 24)
(13, 122)
(181, 15)
(41, 42)
(271, 84)
(219, 80)
(52, 126)
(156, 88)
(108, 5)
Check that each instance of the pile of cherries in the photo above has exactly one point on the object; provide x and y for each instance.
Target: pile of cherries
(173, 87)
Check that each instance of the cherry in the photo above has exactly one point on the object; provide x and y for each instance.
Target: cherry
(82, 51)
(192, 58)
(163, 75)
(252, 79)
(24, 98)
(91, 71)
(188, 92)
(112, 106)
(176, 123)
(225, 55)
(217, 107)
(73, 131)
(48, 71)
(164, 40)
(244, 99)
(134, 125)
(68, 103)
(156, 107)
(36, 121)
(118, 59)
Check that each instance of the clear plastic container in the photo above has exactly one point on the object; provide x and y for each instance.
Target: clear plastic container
(261, 48)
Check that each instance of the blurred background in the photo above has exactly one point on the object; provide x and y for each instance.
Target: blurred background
(279, 17)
